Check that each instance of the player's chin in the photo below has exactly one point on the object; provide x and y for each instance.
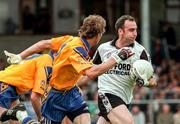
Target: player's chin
(131, 40)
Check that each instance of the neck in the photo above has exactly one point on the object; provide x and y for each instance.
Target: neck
(122, 43)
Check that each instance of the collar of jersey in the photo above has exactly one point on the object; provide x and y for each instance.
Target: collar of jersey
(87, 45)
(114, 41)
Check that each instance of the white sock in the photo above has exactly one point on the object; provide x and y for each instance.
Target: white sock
(21, 115)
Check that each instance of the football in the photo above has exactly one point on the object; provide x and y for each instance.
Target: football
(142, 69)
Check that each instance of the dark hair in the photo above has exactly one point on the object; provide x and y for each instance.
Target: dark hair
(120, 22)
(92, 25)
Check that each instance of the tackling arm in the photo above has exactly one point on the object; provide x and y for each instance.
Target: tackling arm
(37, 47)
(121, 55)
(97, 70)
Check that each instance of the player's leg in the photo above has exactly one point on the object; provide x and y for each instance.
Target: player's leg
(83, 118)
(101, 120)
(18, 112)
(14, 103)
(111, 106)
(9, 97)
(116, 118)
(66, 121)
(78, 111)
(54, 107)
(1, 111)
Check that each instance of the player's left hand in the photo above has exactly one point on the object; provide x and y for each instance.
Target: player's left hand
(122, 54)
(12, 58)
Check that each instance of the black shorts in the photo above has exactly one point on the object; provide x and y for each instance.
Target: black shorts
(106, 102)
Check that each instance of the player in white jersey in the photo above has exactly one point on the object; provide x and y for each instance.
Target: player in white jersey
(115, 87)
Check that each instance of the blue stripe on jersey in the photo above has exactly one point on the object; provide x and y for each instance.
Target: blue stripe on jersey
(83, 53)
(48, 70)
(33, 56)
(61, 48)
(86, 43)
(51, 54)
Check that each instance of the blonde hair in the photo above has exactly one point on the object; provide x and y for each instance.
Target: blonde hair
(92, 25)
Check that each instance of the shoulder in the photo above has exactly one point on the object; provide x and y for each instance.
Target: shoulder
(138, 45)
(142, 51)
(104, 45)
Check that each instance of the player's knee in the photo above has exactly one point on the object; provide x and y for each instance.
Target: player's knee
(130, 120)
(124, 120)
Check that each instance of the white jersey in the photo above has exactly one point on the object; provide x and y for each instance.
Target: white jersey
(117, 80)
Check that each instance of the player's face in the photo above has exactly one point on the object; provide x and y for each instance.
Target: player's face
(130, 31)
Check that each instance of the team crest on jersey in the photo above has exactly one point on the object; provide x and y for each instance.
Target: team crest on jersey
(3, 86)
(43, 85)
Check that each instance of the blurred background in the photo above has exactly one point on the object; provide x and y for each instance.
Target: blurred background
(24, 22)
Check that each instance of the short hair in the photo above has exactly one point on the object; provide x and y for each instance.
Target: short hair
(120, 22)
(92, 25)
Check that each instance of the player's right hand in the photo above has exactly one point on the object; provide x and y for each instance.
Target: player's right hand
(12, 58)
(122, 54)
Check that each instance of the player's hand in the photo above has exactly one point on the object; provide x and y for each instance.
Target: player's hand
(122, 54)
(12, 58)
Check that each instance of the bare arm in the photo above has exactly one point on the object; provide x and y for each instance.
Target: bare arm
(97, 70)
(36, 103)
(83, 81)
(37, 47)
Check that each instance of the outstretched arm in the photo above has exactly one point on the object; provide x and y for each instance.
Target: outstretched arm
(37, 47)
(121, 55)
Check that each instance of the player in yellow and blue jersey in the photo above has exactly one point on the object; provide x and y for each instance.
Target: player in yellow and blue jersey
(31, 74)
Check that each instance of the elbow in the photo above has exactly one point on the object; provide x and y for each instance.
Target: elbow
(93, 72)
(91, 76)
(44, 44)
(35, 97)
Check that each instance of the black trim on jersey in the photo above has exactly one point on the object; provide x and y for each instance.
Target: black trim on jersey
(97, 58)
(113, 43)
(144, 55)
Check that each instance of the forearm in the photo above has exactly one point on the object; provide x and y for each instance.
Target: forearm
(36, 103)
(97, 70)
(36, 48)
(83, 81)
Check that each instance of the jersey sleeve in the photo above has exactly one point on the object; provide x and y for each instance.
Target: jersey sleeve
(43, 73)
(144, 55)
(80, 60)
(57, 42)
